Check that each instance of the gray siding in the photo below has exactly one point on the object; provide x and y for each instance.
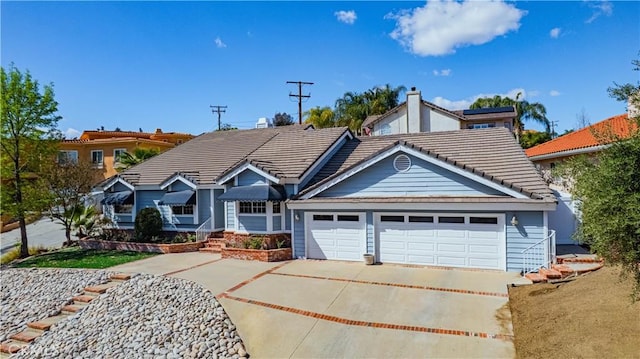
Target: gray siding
(422, 179)
(145, 198)
(179, 186)
(117, 187)
(204, 205)
(231, 215)
(250, 178)
(277, 223)
(184, 220)
(529, 231)
(218, 209)
(287, 219)
(252, 223)
(298, 235)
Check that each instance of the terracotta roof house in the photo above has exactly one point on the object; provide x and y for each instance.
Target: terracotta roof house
(416, 115)
(102, 148)
(463, 198)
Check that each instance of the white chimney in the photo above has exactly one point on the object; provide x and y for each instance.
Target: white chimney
(264, 122)
(414, 100)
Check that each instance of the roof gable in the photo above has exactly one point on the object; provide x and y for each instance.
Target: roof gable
(372, 119)
(190, 179)
(591, 137)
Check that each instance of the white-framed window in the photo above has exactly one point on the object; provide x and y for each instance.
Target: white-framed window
(97, 158)
(186, 210)
(68, 156)
(277, 208)
(123, 208)
(482, 125)
(253, 208)
(117, 154)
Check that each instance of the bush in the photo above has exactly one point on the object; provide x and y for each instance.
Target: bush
(15, 253)
(148, 225)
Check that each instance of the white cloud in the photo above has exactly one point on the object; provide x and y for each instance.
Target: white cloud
(443, 72)
(465, 103)
(219, 43)
(71, 133)
(554, 93)
(440, 27)
(599, 8)
(348, 17)
(555, 32)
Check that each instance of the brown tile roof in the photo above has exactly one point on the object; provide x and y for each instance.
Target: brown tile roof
(283, 151)
(601, 133)
(492, 153)
(117, 140)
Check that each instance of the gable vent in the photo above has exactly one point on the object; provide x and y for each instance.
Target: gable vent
(402, 163)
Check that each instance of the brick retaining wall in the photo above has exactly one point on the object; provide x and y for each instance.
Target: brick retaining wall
(141, 247)
(268, 255)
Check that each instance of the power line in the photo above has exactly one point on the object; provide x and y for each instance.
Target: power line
(300, 96)
(219, 110)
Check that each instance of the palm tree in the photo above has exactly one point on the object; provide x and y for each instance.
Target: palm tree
(127, 160)
(524, 111)
(320, 117)
(353, 108)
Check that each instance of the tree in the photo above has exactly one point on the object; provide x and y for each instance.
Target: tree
(353, 108)
(524, 111)
(227, 127)
(320, 117)
(532, 138)
(609, 193)
(282, 119)
(139, 155)
(69, 185)
(29, 138)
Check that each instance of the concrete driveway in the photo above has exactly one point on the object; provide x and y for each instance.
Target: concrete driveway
(329, 309)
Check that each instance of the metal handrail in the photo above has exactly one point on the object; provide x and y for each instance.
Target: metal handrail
(203, 231)
(539, 255)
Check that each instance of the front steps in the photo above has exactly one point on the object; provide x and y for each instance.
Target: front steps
(213, 245)
(568, 266)
(35, 329)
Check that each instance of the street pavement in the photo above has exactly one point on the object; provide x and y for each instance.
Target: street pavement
(43, 232)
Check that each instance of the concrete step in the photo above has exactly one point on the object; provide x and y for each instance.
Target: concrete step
(550, 273)
(101, 288)
(12, 346)
(578, 258)
(46, 323)
(27, 336)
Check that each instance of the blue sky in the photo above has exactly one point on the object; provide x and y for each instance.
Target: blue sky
(161, 64)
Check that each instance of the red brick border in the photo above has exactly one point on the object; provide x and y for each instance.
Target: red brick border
(439, 289)
(192, 267)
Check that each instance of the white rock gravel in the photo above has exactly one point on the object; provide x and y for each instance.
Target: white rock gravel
(144, 317)
(33, 294)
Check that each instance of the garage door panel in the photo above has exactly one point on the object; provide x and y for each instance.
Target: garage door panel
(416, 233)
(475, 248)
(451, 233)
(421, 246)
(395, 245)
(484, 263)
(336, 239)
(421, 259)
(451, 261)
(449, 247)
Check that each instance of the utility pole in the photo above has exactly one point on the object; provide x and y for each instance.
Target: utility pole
(553, 126)
(300, 96)
(219, 110)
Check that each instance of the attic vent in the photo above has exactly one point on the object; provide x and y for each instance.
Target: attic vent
(402, 163)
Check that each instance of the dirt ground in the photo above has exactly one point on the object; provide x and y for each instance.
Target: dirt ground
(590, 317)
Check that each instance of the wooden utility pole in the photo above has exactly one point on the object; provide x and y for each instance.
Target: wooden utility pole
(219, 110)
(300, 96)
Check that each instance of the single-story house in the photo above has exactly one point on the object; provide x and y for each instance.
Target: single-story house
(464, 198)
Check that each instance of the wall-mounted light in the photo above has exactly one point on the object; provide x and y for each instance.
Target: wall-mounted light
(296, 217)
(514, 220)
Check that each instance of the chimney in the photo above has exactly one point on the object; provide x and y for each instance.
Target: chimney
(264, 122)
(158, 130)
(414, 101)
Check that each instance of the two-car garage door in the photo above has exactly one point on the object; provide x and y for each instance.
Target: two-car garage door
(457, 240)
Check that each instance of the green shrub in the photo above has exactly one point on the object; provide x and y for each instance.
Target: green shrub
(15, 253)
(254, 242)
(148, 225)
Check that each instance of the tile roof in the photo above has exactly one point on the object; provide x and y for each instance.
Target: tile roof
(117, 140)
(492, 153)
(598, 134)
(283, 151)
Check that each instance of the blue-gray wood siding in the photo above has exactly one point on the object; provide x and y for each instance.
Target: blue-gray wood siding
(250, 178)
(230, 215)
(277, 223)
(422, 179)
(298, 235)
(324, 161)
(287, 219)
(290, 190)
(187, 219)
(204, 205)
(252, 223)
(145, 199)
(179, 186)
(529, 231)
(218, 209)
(118, 186)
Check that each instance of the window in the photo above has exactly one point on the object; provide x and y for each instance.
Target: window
(421, 219)
(451, 220)
(391, 218)
(182, 210)
(483, 220)
(323, 217)
(253, 207)
(482, 125)
(402, 163)
(67, 156)
(348, 218)
(276, 208)
(123, 208)
(117, 154)
(96, 158)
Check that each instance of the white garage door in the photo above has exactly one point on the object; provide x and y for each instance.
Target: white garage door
(456, 240)
(335, 236)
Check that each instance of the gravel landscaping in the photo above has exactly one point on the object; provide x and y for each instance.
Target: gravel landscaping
(145, 317)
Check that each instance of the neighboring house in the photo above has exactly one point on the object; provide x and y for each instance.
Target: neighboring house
(465, 198)
(416, 115)
(103, 148)
(586, 141)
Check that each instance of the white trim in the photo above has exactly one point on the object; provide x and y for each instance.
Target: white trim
(545, 226)
(293, 232)
(175, 178)
(212, 209)
(295, 189)
(420, 155)
(325, 154)
(116, 180)
(134, 210)
(450, 206)
(308, 216)
(97, 164)
(210, 186)
(247, 166)
(269, 216)
(196, 218)
(569, 153)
